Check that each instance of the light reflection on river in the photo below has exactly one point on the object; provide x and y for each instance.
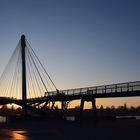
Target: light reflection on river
(13, 134)
(2, 119)
(16, 135)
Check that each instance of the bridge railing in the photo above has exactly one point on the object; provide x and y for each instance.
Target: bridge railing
(113, 88)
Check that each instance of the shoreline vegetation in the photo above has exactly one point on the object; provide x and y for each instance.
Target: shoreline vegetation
(100, 111)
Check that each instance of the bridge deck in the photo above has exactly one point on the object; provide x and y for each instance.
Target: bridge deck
(106, 91)
(128, 89)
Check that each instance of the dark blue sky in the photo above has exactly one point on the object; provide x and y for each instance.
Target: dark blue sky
(80, 42)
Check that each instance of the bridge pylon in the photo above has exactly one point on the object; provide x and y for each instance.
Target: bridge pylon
(24, 94)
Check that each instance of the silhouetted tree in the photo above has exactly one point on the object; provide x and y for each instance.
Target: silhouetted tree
(112, 107)
(77, 107)
(4, 107)
(101, 107)
(13, 108)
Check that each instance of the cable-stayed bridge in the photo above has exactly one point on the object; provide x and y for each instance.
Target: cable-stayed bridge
(26, 82)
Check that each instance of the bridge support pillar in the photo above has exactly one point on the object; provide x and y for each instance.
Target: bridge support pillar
(62, 108)
(53, 103)
(81, 108)
(62, 105)
(94, 107)
(45, 105)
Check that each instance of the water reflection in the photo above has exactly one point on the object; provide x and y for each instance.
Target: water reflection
(128, 117)
(16, 135)
(2, 119)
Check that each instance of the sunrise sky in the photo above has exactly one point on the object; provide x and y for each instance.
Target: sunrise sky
(80, 42)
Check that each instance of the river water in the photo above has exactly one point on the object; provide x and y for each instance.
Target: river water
(70, 130)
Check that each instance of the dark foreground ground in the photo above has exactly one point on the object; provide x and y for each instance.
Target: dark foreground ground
(63, 130)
